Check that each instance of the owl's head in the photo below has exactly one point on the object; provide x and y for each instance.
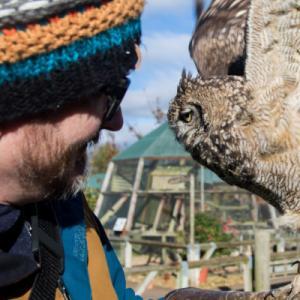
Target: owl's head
(209, 117)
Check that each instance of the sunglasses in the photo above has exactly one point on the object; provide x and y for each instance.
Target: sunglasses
(115, 94)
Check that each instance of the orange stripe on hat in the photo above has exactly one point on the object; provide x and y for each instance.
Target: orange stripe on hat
(36, 39)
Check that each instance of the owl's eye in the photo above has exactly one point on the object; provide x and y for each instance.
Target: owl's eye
(186, 116)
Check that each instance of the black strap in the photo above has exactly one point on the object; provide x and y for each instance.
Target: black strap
(46, 246)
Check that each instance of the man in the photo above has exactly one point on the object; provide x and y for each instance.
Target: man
(63, 74)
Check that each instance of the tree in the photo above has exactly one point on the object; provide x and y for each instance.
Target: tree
(134, 131)
(158, 113)
(103, 155)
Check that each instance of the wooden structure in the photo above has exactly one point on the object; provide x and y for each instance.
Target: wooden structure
(155, 185)
(158, 188)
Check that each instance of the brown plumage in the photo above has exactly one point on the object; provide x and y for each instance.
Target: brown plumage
(218, 43)
(247, 129)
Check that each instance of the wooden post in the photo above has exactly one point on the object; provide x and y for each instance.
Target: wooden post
(128, 255)
(158, 213)
(273, 216)
(172, 224)
(202, 200)
(114, 209)
(194, 255)
(144, 285)
(120, 251)
(280, 247)
(262, 260)
(247, 272)
(182, 217)
(192, 209)
(241, 247)
(281, 244)
(133, 200)
(183, 278)
(104, 188)
(255, 208)
(164, 253)
(210, 252)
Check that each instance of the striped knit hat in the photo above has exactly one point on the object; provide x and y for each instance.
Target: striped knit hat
(54, 52)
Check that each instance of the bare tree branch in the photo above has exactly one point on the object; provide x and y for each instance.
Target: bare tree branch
(158, 113)
(135, 132)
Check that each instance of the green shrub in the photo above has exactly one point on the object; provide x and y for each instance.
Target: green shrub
(209, 229)
(91, 196)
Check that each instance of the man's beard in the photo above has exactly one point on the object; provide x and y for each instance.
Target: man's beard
(50, 169)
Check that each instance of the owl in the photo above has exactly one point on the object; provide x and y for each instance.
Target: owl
(247, 128)
(218, 43)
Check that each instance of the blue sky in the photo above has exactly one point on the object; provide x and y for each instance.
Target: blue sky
(167, 27)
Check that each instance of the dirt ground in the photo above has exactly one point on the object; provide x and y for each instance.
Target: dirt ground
(166, 282)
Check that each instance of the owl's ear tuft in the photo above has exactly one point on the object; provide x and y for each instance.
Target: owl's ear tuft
(182, 83)
(185, 82)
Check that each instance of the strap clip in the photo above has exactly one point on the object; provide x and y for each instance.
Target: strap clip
(43, 235)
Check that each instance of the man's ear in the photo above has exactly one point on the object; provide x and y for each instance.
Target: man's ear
(139, 56)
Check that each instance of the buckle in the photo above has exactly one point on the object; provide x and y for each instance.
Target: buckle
(41, 237)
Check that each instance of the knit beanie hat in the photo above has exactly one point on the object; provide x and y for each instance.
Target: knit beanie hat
(54, 52)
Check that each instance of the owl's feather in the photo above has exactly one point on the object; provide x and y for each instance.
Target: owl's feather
(218, 43)
(199, 5)
(247, 128)
(273, 42)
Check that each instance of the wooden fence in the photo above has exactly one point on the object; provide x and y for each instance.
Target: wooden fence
(257, 261)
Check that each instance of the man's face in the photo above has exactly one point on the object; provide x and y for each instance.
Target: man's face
(46, 157)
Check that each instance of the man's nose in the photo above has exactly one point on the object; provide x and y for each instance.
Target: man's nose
(116, 123)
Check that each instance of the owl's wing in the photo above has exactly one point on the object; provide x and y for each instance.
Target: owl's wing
(218, 42)
(273, 47)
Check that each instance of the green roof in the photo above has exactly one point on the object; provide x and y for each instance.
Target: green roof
(160, 143)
